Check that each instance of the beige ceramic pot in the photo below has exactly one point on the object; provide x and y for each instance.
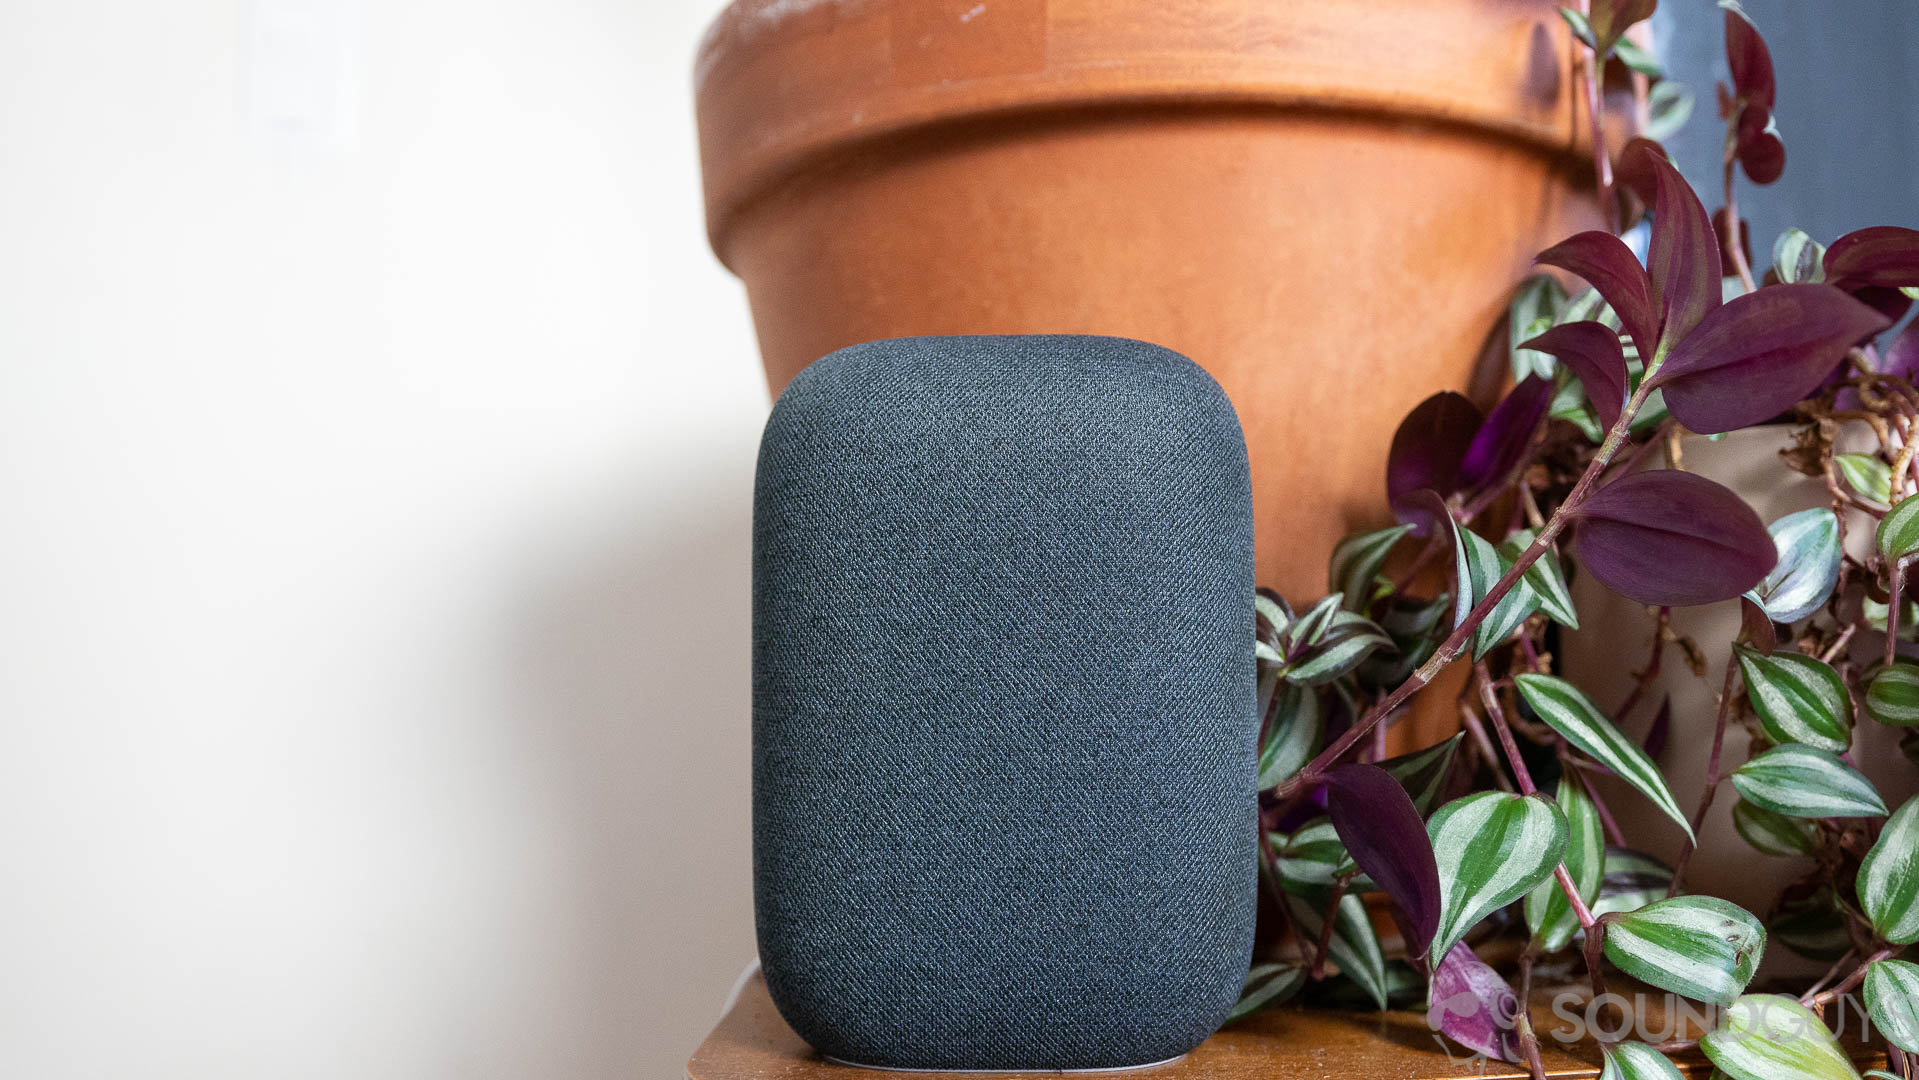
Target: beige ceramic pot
(1612, 644)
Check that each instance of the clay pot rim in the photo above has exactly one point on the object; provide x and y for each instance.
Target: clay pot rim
(750, 142)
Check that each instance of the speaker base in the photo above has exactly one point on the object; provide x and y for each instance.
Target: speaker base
(1011, 1072)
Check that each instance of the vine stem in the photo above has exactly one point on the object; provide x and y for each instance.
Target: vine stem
(1893, 603)
(1449, 650)
(1661, 627)
(1325, 943)
(1827, 997)
(1602, 159)
(1735, 249)
(1490, 696)
(1844, 963)
(1726, 694)
(1522, 1022)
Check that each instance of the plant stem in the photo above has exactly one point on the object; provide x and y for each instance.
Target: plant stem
(1838, 643)
(1449, 649)
(1842, 964)
(1483, 744)
(1325, 943)
(1507, 743)
(1893, 604)
(1651, 671)
(1734, 249)
(1726, 694)
(1523, 1021)
(1490, 696)
(1827, 997)
(1602, 159)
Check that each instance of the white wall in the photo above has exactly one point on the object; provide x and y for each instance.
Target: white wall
(376, 441)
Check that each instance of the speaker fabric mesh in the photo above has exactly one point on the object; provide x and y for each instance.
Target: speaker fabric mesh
(1003, 703)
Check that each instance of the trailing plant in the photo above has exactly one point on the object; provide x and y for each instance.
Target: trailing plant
(1579, 471)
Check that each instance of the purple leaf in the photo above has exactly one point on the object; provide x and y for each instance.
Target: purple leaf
(1671, 537)
(1424, 510)
(1886, 256)
(1501, 441)
(1684, 261)
(1655, 741)
(1760, 354)
(1609, 266)
(1760, 633)
(1473, 1006)
(1610, 19)
(1724, 232)
(1381, 829)
(1634, 173)
(1761, 153)
(1748, 59)
(1891, 303)
(1592, 351)
(1902, 356)
(1430, 444)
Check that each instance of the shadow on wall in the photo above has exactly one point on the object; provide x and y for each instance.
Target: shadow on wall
(634, 666)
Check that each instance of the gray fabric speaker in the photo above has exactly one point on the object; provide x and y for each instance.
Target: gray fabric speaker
(1003, 704)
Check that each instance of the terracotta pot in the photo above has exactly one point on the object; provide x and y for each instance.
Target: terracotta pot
(1326, 205)
(1603, 654)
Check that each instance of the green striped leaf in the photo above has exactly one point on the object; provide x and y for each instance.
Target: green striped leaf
(1479, 566)
(1354, 945)
(1889, 878)
(1327, 642)
(1898, 534)
(1668, 107)
(1309, 860)
(1892, 1000)
(1548, 912)
(1416, 627)
(1356, 562)
(1632, 880)
(1637, 1061)
(1638, 58)
(1570, 404)
(1294, 724)
(1774, 834)
(1270, 615)
(1534, 306)
(1808, 567)
(1699, 947)
(1893, 696)
(1798, 699)
(1582, 30)
(1423, 773)
(1866, 474)
(1544, 577)
(1770, 1037)
(1805, 781)
(1573, 715)
(1798, 258)
(1267, 985)
(1812, 926)
(1492, 848)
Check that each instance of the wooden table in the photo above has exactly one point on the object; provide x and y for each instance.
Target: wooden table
(753, 1043)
